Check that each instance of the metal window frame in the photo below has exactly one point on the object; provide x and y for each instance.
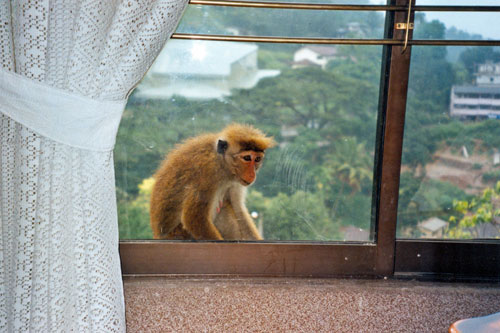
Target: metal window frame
(386, 256)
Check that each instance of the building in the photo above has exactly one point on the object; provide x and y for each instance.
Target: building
(432, 228)
(314, 55)
(202, 70)
(488, 74)
(481, 100)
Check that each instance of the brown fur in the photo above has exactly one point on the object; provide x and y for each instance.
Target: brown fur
(194, 178)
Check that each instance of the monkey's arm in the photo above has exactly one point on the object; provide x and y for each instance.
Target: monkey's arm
(197, 217)
(245, 222)
(225, 222)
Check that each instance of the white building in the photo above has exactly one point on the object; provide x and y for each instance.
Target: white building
(488, 74)
(481, 100)
(202, 70)
(433, 227)
(311, 55)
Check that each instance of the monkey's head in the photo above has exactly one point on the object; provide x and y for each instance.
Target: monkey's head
(243, 148)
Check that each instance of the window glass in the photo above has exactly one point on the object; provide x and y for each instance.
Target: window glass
(458, 2)
(457, 25)
(319, 102)
(281, 22)
(450, 176)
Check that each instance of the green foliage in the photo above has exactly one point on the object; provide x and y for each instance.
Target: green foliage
(470, 214)
(492, 176)
(421, 199)
(274, 59)
(307, 97)
(134, 214)
(431, 78)
(350, 165)
(301, 216)
(474, 56)
(358, 62)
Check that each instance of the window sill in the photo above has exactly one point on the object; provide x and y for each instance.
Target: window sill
(293, 304)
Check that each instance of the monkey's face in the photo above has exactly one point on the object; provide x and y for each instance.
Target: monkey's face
(247, 163)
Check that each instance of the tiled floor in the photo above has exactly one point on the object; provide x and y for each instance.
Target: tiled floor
(301, 305)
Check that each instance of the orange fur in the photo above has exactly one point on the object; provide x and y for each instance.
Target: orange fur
(195, 178)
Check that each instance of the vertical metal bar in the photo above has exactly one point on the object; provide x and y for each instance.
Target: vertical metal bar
(407, 30)
(392, 140)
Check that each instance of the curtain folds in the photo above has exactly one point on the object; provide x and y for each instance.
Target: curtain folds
(59, 263)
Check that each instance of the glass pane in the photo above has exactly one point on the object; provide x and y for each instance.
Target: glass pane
(318, 102)
(457, 25)
(281, 22)
(457, 2)
(450, 177)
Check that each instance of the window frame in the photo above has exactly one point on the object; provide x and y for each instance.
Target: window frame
(386, 255)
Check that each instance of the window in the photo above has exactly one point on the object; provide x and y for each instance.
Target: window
(332, 84)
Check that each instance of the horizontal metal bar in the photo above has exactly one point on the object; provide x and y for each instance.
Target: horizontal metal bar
(288, 40)
(325, 6)
(454, 42)
(457, 8)
(292, 5)
(304, 40)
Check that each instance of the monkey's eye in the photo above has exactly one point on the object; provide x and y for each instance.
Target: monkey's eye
(258, 159)
(247, 158)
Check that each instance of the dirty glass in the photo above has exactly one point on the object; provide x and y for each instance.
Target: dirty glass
(318, 102)
(281, 22)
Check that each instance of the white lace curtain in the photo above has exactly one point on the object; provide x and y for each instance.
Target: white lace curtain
(66, 68)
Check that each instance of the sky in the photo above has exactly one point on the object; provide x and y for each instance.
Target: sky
(486, 24)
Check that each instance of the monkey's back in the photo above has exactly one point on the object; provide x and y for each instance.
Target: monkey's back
(187, 161)
(190, 163)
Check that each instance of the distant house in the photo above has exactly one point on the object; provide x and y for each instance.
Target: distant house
(432, 228)
(314, 55)
(481, 100)
(202, 70)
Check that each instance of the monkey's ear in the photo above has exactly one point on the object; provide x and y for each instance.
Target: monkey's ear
(221, 146)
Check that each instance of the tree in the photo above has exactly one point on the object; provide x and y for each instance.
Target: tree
(349, 164)
(422, 198)
(431, 78)
(345, 181)
(134, 214)
(472, 214)
(301, 216)
(474, 56)
(307, 97)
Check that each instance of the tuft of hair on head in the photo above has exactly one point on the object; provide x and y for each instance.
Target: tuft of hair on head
(248, 137)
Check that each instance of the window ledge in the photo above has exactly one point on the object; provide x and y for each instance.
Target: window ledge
(220, 304)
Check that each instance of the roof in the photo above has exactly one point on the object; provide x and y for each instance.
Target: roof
(323, 50)
(476, 89)
(305, 62)
(188, 57)
(433, 224)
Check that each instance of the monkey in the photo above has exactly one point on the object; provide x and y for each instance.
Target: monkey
(200, 187)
